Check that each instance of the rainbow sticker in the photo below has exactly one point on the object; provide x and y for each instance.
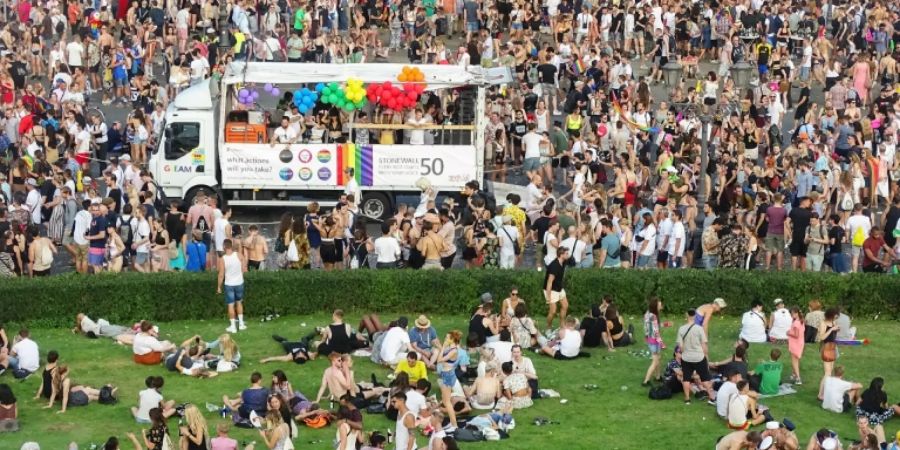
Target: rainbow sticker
(323, 156)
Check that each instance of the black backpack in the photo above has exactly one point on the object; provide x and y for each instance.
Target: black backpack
(468, 435)
(107, 396)
(203, 226)
(661, 392)
(126, 231)
(160, 202)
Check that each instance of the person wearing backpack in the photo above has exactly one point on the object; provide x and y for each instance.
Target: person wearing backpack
(195, 253)
(610, 246)
(858, 227)
(40, 254)
(126, 225)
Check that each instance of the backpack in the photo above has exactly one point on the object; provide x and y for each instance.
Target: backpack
(60, 27)
(468, 435)
(203, 225)
(107, 396)
(44, 257)
(661, 392)
(126, 231)
(160, 202)
(859, 237)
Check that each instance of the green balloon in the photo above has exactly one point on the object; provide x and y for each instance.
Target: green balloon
(333, 98)
(349, 107)
(333, 86)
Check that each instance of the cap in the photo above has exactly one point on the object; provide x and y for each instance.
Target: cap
(125, 157)
(86, 180)
(829, 444)
(423, 322)
(766, 443)
(778, 301)
(487, 298)
(31, 182)
(772, 425)
(720, 302)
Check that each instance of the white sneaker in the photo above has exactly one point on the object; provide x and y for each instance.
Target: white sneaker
(231, 329)
(242, 327)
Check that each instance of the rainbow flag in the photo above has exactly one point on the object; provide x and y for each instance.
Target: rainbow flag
(627, 120)
(360, 159)
(579, 67)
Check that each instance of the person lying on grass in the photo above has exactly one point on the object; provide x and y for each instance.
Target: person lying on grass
(102, 328)
(298, 352)
(338, 379)
(188, 359)
(568, 344)
(152, 398)
(147, 347)
(69, 393)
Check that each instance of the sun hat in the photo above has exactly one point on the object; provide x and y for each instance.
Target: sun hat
(778, 301)
(772, 425)
(423, 322)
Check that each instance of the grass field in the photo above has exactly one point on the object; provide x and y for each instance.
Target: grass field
(617, 416)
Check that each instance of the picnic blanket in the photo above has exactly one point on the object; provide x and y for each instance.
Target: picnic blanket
(784, 389)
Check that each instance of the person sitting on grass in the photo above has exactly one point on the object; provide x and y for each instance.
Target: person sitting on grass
(424, 341)
(338, 337)
(69, 394)
(740, 440)
(301, 408)
(485, 391)
(152, 398)
(158, 432)
(113, 442)
(839, 395)
(737, 361)
(725, 391)
(275, 434)
(783, 438)
(767, 374)
(229, 357)
(188, 359)
(222, 441)
(9, 412)
(413, 367)
(377, 441)
(593, 327)
(516, 391)
(251, 399)
(824, 439)
(743, 412)
(194, 433)
(147, 347)
(874, 406)
(338, 379)
(46, 387)
(395, 344)
(568, 343)
(615, 334)
(102, 328)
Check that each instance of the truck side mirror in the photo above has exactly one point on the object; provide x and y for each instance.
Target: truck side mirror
(167, 142)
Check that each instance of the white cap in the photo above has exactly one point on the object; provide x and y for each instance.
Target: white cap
(772, 425)
(778, 301)
(829, 444)
(671, 169)
(125, 157)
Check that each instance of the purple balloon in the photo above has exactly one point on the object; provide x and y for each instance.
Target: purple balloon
(255, 95)
(243, 92)
(268, 87)
(275, 91)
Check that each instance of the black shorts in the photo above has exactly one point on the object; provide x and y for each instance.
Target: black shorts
(662, 256)
(798, 247)
(297, 351)
(562, 357)
(95, 68)
(254, 265)
(688, 369)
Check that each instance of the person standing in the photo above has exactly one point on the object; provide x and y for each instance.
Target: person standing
(96, 236)
(677, 241)
(798, 222)
(231, 277)
(404, 433)
(554, 291)
(775, 217)
(694, 351)
(796, 342)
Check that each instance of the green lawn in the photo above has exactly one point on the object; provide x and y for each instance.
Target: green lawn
(617, 416)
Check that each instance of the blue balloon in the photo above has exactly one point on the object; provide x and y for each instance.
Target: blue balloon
(298, 95)
(308, 101)
(303, 109)
(319, 87)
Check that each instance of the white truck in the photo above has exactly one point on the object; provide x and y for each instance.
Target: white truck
(202, 147)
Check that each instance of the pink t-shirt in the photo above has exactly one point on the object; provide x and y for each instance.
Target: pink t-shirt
(223, 443)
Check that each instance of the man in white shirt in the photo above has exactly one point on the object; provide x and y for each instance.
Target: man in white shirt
(508, 235)
(182, 20)
(534, 197)
(151, 398)
(676, 241)
(387, 248)
(417, 135)
(285, 134)
(839, 395)
(728, 388)
(33, 201)
(199, 67)
(352, 187)
(79, 248)
(780, 322)
(24, 358)
(395, 344)
(647, 243)
(531, 142)
(753, 324)
(663, 235)
(584, 22)
(75, 53)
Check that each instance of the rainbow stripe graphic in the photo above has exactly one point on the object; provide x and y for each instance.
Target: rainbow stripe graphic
(360, 159)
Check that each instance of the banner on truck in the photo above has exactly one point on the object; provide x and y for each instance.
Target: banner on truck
(323, 165)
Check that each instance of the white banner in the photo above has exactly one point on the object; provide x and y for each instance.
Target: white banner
(311, 166)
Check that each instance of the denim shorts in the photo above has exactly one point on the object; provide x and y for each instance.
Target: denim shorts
(234, 294)
(654, 348)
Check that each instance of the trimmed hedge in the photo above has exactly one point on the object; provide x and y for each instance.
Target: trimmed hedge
(176, 296)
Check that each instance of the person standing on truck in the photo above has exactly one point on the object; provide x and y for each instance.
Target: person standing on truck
(285, 134)
(231, 278)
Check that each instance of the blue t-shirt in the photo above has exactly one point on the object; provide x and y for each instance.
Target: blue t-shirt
(255, 400)
(613, 248)
(196, 254)
(119, 72)
(422, 338)
(312, 233)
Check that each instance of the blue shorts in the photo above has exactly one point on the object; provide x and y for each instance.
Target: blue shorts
(471, 27)
(654, 349)
(531, 164)
(120, 82)
(763, 69)
(95, 258)
(234, 294)
(448, 379)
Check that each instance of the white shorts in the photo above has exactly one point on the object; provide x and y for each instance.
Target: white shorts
(555, 296)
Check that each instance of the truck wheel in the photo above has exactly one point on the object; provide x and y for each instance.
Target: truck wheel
(376, 206)
(210, 192)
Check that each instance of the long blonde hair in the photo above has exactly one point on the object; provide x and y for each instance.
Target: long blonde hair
(227, 347)
(196, 422)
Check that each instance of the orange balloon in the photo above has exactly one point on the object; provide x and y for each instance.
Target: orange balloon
(402, 77)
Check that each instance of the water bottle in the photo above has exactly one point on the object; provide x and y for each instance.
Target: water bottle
(330, 403)
(390, 436)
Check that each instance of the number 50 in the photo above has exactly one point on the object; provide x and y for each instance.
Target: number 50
(432, 166)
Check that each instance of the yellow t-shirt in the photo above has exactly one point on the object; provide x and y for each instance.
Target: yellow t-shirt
(416, 372)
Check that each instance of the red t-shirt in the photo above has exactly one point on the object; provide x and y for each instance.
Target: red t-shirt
(872, 245)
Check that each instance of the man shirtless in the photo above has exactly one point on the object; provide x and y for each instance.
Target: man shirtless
(255, 249)
(740, 440)
(887, 69)
(338, 378)
(784, 439)
(431, 245)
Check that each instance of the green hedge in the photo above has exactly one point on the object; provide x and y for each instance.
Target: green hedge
(173, 296)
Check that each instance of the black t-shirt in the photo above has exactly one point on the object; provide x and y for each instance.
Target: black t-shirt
(800, 222)
(890, 223)
(836, 233)
(592, 329)
(541, 225)
(802, 109)
(547, 73)
(529, 103)
(98, 224)
(415, 50)
(18, 71)
(558, 271)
